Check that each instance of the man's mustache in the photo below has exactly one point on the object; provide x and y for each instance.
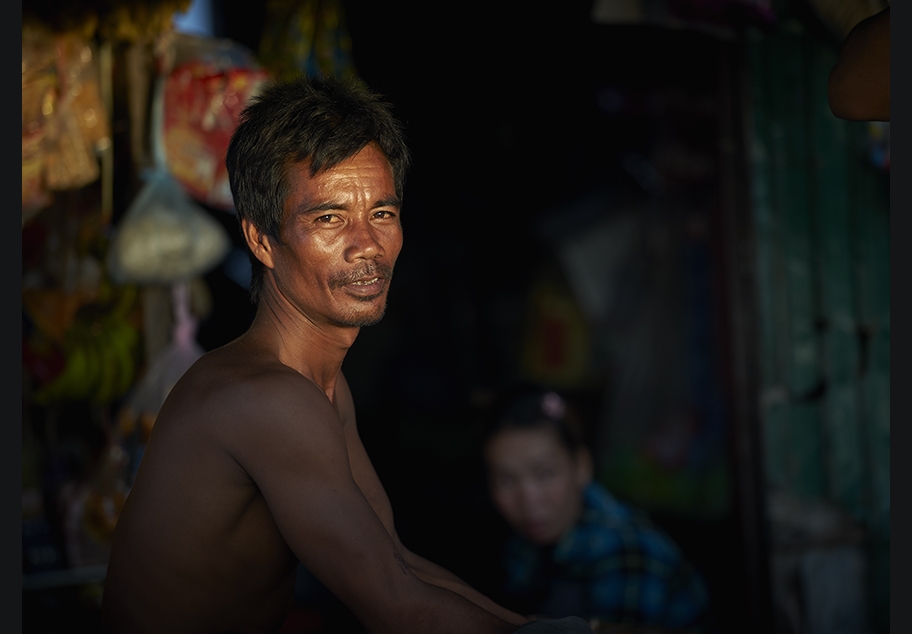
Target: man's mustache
(375, 269)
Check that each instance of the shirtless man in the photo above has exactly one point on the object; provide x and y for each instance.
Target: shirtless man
(255, 462)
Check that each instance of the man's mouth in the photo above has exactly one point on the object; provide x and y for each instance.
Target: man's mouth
(367, 282)
(368, 277)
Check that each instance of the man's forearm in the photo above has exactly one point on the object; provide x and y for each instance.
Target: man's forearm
(434, 574)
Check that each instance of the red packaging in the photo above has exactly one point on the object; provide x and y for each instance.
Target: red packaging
(201, 106)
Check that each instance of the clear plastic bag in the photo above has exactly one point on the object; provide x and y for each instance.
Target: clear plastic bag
(164, 236)
(140, 409)
(171, 362)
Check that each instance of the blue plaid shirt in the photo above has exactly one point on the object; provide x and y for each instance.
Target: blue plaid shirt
(613, 565)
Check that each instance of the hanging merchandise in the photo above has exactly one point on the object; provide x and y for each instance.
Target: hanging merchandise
(203, 94)
(99, 345)
(140, 409)
(112, 20)
(128, 21)
(78, 65)
(39, 80)
(64, 120)
(306, 37)
(79, 126)
(164, 236)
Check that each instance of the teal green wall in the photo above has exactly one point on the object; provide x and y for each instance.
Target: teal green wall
(822, 226)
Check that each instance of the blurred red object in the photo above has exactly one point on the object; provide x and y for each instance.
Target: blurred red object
(201, 104)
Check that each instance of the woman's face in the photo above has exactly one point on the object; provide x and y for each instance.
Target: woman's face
(536, 483)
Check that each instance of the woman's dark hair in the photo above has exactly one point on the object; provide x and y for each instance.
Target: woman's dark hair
(534, 407)
(325, 120)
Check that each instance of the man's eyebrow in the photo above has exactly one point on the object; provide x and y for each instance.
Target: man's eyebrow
(392, 201)
(319, 207)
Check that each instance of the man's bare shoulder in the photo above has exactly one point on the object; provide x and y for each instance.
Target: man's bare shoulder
(237, 395)
(241, 376)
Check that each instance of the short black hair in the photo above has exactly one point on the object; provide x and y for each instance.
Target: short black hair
(324, 120)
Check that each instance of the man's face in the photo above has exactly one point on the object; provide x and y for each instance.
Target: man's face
(340, 240)
(535, 483)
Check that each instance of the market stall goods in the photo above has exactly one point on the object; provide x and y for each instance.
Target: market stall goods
(203, 95)
(64, 119)
(165, 236)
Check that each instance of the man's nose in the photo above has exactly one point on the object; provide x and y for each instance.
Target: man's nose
(363, 242)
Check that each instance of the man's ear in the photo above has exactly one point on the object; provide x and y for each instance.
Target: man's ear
(259, 242)
(584, 467)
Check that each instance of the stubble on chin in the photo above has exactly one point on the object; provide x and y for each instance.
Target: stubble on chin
(360, 321)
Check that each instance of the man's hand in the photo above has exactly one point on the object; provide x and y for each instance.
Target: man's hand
(434, 574)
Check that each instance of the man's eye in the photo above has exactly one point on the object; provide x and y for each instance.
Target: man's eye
(326, 219)
(383, 214)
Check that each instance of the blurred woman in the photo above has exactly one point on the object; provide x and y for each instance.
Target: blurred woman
(575, 549)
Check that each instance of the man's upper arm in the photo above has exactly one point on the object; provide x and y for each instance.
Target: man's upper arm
(362, 468)
(367, 479)
(295, 452)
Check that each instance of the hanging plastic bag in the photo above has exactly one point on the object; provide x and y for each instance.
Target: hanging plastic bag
(211, 82)
(169, 364)
(164, 236)
(141, 407)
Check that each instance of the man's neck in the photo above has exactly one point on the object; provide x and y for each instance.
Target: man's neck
(316, 351)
